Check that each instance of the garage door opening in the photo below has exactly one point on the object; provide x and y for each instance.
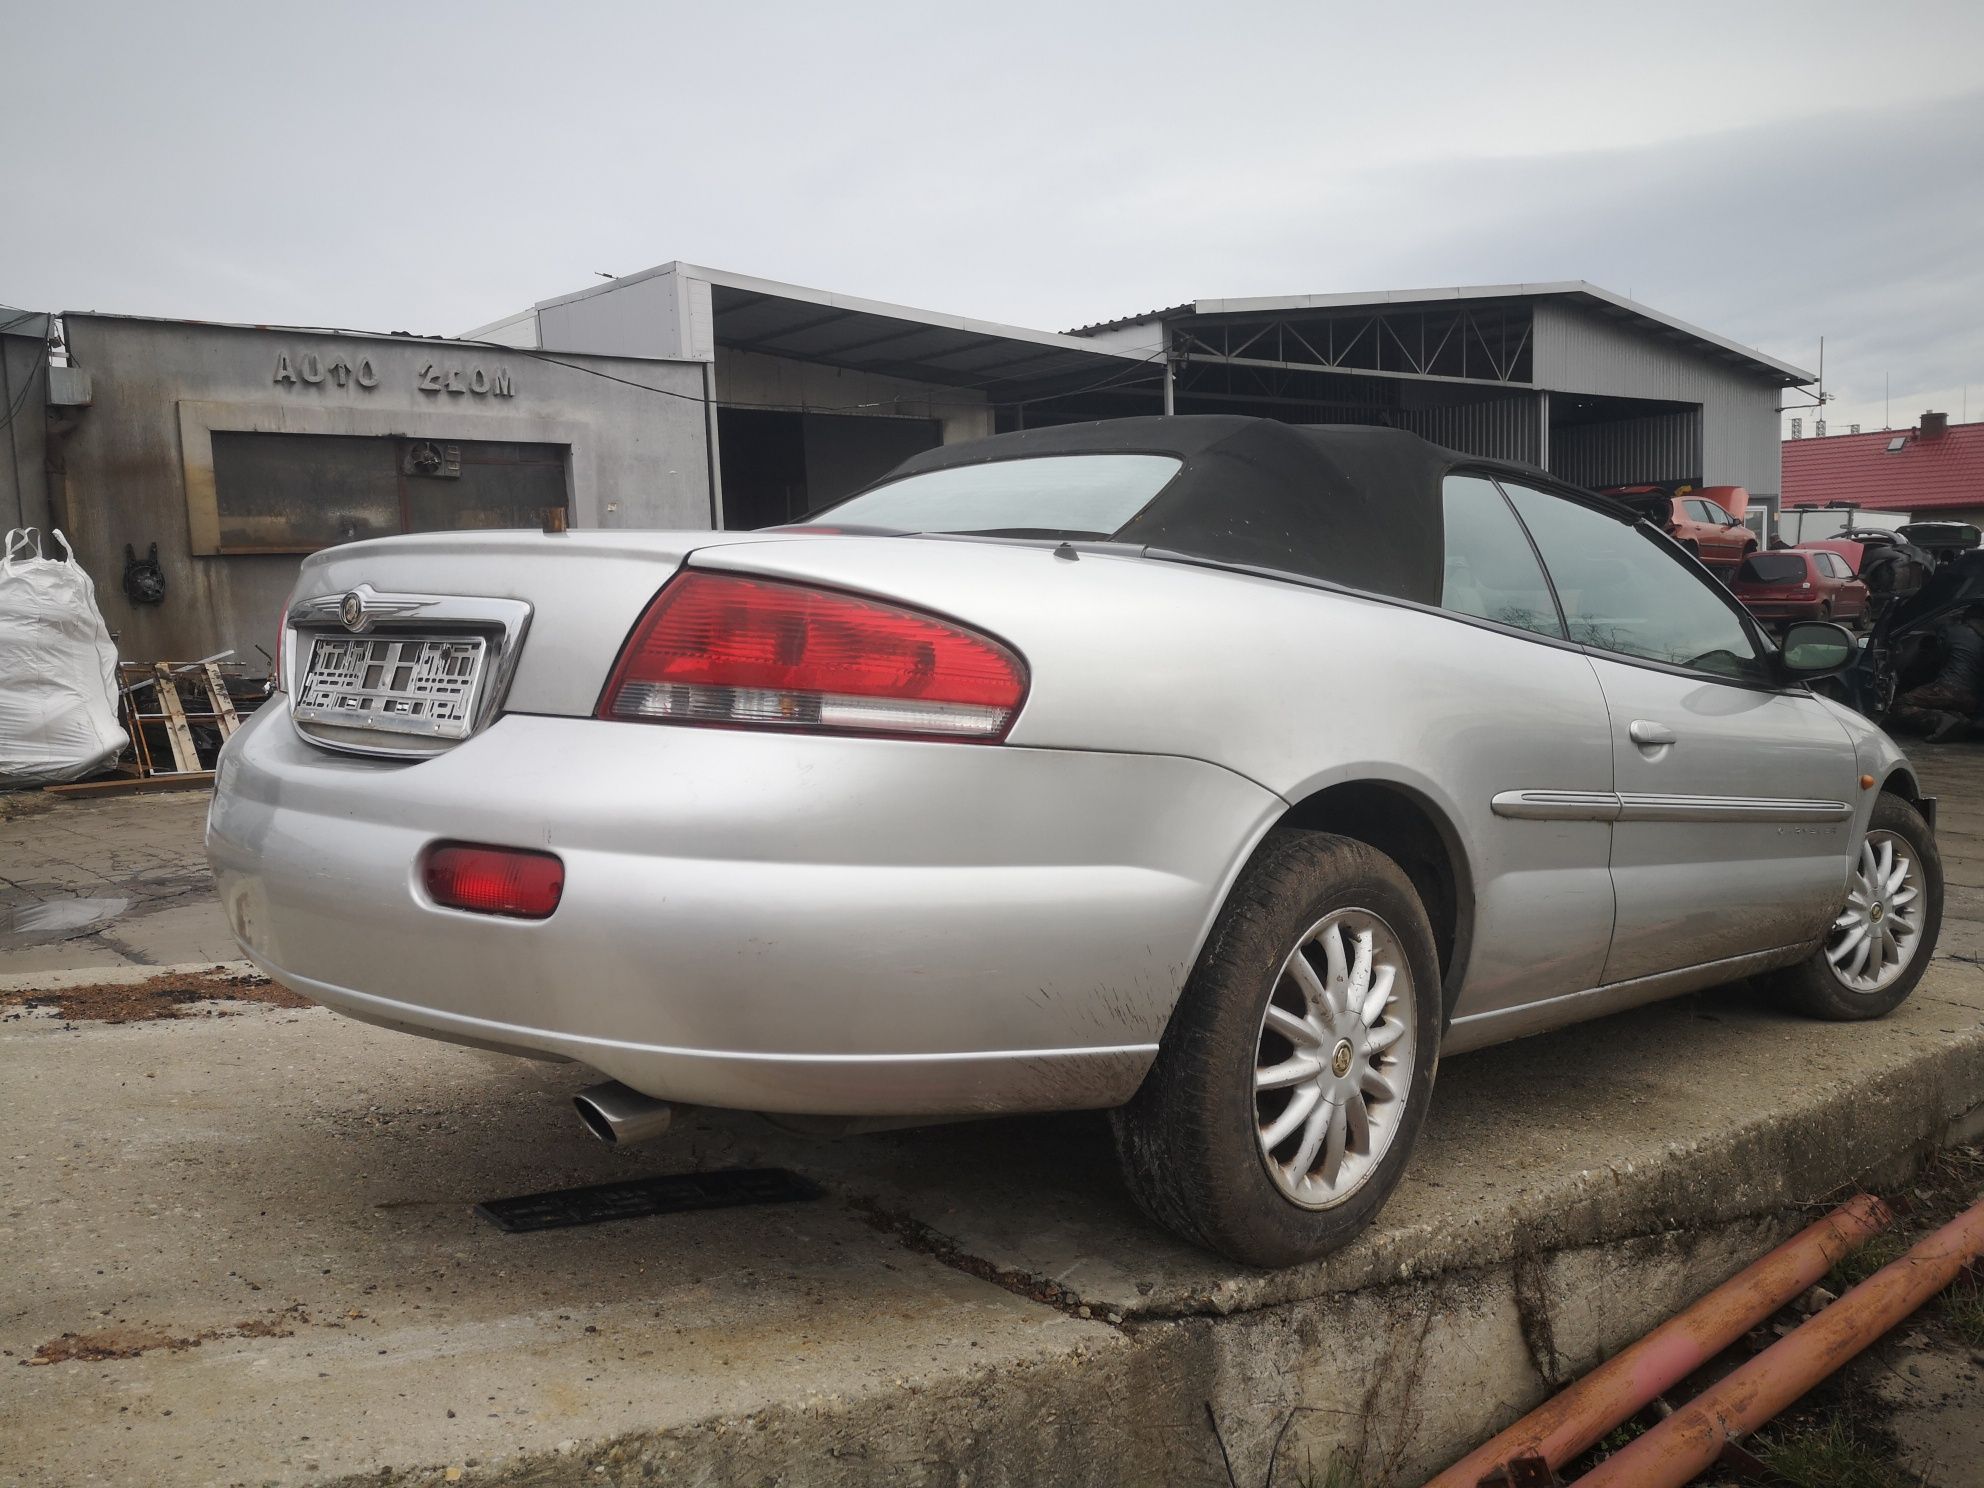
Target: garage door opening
(1601, 441)
(296, 493)
(779, 466)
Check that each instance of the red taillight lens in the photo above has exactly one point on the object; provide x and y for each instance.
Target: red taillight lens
(494, 880)
(760, 653)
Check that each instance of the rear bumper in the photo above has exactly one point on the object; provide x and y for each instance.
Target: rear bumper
(1783, 609)
(830, 926)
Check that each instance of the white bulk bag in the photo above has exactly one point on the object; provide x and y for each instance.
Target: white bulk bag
(58, 669)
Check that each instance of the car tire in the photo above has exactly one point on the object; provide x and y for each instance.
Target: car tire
(1692, 548)
(1825, 611)
(1198, 1140)
(1825, 985)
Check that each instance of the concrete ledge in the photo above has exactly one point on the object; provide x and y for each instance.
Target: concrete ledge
(292, 1191)
(1679, 1116)
(256, 1234)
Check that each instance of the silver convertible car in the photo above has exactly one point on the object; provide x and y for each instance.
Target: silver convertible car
(1220, 773)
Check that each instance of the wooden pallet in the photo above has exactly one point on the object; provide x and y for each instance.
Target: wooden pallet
(163, 703)
(132, 785)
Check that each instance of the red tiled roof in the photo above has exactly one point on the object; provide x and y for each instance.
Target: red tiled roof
(1922, 475)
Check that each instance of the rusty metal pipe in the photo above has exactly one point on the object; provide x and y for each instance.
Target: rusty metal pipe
(1572, 1420)
(1680, 1447)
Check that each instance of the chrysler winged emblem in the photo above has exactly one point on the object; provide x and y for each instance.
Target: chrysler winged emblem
(358, 610)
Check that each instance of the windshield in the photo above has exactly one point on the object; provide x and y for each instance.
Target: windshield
(1046, 496)
(1772, 568)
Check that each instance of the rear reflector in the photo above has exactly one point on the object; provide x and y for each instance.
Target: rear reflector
(761, 653)
(494, 880)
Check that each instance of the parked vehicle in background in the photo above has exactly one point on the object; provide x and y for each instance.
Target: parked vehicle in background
(1215, 771)
(1708, 531)
(1890, 567)
(1801, 524)
(1799, 584)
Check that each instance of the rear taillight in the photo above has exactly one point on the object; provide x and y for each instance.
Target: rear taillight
(761, 653)
(509, 881)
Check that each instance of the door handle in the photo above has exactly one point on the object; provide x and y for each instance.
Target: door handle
(1648, 734)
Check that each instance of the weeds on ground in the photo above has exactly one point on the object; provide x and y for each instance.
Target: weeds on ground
(1828, 1454)
(1617, 1439)
(1338, 1473)
(1963, 1312)
(1856, 1266)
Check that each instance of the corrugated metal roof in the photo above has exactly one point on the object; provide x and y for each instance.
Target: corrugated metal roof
(1617, 305)
(841, 330)
(1097, 326)
(1922, 475)
(14, 322)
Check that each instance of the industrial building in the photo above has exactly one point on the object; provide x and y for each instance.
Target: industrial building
(224, 453)
(690, 397)
(1583, 382)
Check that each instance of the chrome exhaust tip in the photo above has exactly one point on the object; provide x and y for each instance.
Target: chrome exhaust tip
(620, 1116)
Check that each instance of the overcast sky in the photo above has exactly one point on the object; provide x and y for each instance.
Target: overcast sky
(1774, 173)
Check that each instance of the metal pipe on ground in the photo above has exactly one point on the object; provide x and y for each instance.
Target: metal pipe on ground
(1687, 1442)
(1573, 1419)
(620, 1116)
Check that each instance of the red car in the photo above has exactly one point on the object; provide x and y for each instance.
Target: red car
(1799, 584)
(1697, 523)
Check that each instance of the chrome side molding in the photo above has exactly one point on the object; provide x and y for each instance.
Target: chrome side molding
(1639, 806)
(1549, 805)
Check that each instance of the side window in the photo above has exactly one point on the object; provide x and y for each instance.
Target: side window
(1623, 592)
(1492, 572)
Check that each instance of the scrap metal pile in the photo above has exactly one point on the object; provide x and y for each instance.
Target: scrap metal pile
(1923, 670)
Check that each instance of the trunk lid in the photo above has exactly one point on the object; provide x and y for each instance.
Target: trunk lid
(551, 610)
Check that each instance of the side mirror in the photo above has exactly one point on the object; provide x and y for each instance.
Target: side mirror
(1816, 648)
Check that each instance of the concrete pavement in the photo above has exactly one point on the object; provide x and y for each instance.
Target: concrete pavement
(268, 1211)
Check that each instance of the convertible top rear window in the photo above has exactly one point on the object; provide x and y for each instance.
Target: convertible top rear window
(1048, 496)
(1352, 505)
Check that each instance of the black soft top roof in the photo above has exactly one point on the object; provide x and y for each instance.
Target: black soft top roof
(1349, 503)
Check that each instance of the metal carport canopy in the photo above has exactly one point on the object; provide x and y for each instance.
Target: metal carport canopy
(815, 325)
(1614, 306)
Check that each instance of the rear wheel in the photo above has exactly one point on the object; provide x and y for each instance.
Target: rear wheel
(1292, 1082)
(1884, 934)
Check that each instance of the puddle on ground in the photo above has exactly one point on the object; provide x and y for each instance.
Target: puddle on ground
(55, 919)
